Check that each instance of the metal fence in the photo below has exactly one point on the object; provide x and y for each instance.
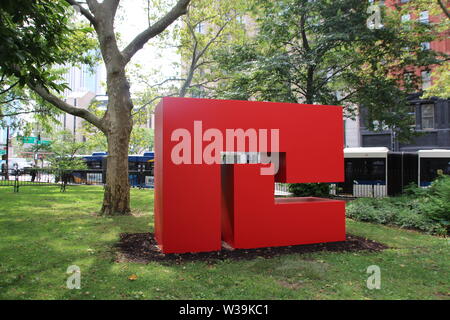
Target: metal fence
(359, 190)
(63, 178)
(356, 190)
(17, 178)
(144, 179)
(282, 189)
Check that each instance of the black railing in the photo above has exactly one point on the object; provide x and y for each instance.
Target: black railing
(17, 178)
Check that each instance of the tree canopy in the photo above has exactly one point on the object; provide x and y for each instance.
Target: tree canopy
(39, 38)
(36, 35)
(323, 52)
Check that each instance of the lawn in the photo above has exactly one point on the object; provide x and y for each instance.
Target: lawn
(43, 232)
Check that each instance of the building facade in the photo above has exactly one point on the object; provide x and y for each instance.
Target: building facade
(84, 85)
(430, 118)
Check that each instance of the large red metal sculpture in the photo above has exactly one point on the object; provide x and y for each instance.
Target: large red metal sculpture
(199, 202)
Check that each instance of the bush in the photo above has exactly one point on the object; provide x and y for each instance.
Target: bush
(320, 190)
(435, 204)
(370, 210)
(427, 210)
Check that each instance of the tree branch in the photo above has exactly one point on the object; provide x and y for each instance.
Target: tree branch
(211, 41)
(203, 63)
(347, 96)
(13, 99)
(167, 80)
(23, 112)
(335, 72)
(151, 101)
(197, 56)
(204, 83)
(111, 5)
(191, 28)
(141, 39)
(444, 8)
(60, 104)
(10, 87)
(83, 11)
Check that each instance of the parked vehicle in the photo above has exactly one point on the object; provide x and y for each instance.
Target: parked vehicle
(140, 169)
(19, 164)
(431, 164)
(378, 172)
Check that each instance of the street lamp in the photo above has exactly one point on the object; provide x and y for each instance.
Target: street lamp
(6, 156)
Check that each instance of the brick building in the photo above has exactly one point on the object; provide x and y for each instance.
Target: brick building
(428, 116)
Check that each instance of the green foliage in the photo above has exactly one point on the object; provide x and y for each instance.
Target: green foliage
(141, 139)
(64, 150)
(322, 52)
(441, 84)
(321, 190)
(67, 163)
(208, 27)
(427, 210)
(36, 35)
(441, 74)
(436, 203)
(16, 101)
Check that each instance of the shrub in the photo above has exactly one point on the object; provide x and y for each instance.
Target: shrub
(371, 210)
(321, 190)
(435, 205)
(427, 210)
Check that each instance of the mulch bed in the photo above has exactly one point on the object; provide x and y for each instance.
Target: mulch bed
(142, 248)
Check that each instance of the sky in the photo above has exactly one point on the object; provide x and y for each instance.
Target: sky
(132, 19)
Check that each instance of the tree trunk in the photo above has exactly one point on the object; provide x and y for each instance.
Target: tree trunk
(116, 199)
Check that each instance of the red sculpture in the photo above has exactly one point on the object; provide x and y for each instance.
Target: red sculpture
(199, 202)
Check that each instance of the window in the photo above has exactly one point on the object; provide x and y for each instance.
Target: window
(427, 116)
(426, 46)
(199, 28)
(426, 79)
(412, 116)
(408, 78)
(423, 17)
(406, 17)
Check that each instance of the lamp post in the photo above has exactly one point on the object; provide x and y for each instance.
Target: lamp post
(7, 153)
(394, 140)
(37, 146)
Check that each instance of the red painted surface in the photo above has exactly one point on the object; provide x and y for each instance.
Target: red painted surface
(196, 205)
(252, 218)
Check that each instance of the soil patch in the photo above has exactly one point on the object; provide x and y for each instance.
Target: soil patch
(142, 248)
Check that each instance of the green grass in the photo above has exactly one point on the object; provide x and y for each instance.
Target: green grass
(43, 232)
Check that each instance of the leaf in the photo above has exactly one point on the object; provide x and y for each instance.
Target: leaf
(133, 277)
